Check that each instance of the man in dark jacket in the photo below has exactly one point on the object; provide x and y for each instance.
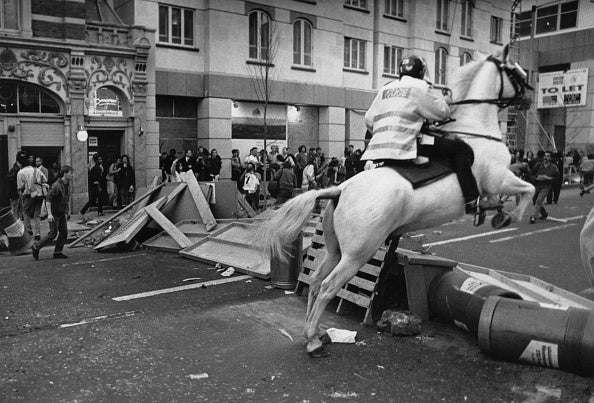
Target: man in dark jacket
(542, 176)
(13, 192)
(286, 182)
(96, 178)
(57, 214)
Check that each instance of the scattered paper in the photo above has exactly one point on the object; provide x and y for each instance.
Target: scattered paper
(203, 375)
(228, 272)
(289, 292)
(339, 395)
(286, 334)
(341, 335)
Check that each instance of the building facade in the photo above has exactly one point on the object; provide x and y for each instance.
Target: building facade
(71, 66)
(557, 44)
(324, 59)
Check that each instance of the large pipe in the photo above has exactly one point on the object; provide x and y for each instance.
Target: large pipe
(459, 298)
(555, 337)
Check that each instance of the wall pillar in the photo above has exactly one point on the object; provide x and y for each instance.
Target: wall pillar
(332, 131)
(214, 129)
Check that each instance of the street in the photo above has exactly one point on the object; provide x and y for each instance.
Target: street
(80, 329)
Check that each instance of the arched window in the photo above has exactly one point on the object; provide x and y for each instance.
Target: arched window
(467, 10)
(441, 56)
(302, 43)
(465, 58)
(259, 35)
(16, 97)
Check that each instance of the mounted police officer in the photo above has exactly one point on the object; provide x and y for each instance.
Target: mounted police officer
(396, 116)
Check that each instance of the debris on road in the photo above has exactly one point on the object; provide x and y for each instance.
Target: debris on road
(229, 272)
(400, 323)
(286, 334)
(202, 375)
(342, 335)
(192, 279)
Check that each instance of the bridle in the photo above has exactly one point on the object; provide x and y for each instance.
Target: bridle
(518, 79)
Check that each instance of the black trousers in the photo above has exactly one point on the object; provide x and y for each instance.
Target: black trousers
(95, 199)
(59, 228)
(461, 156)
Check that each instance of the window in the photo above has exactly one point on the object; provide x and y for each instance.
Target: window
(465, 58)
(176, 25)
(395, 8)
(356, 3)
(556, 17)
(354, 53)
(443, 8)
(568, 17)
(523, 22)
(302, 43)
(496, 29)
(467, 10)
(176, 107)
(546, 19)
(392, 58)
(441, 56)
(22, 98)
(9, 14)
(259, 35)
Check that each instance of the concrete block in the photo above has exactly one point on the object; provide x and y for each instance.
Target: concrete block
(176, 84)
(195, 85)
(161, 82)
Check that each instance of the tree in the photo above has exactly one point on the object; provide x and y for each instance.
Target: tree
(264, 41)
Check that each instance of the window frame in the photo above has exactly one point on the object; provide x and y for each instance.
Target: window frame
(183, 40)
(301, 53)
(524, 19)
(496, 31)
(465, 58)
(395, 55)
(262, 51)
(16, 17)
(40, 94)
(466, 26)
(442, 15)
(358, 4)
(441, 60)
(394, 8)
(360, 54)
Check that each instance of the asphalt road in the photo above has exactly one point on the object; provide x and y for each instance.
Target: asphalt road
(73, 330)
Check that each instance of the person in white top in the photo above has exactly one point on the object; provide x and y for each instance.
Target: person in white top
(30, 183)
(252, 158)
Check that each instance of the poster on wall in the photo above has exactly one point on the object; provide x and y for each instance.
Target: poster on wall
(559, 89)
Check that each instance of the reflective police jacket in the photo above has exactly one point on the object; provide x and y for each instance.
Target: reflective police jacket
(396, 116)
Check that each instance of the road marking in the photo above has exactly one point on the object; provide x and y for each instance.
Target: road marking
(466, 238)
(102, 317)
(181, 288)
(525, 234)
(104, 260)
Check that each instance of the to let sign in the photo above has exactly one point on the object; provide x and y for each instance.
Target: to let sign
(558, 89)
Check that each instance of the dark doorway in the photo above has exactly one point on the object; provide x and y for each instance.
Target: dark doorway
(3, 171)
(560, 138)
(107, 143)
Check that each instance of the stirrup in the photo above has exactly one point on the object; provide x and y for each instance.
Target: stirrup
(479, 218)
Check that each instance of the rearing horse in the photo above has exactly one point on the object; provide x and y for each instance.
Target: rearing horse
(374, 204)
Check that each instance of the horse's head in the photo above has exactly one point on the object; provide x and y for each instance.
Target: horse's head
(502, 85)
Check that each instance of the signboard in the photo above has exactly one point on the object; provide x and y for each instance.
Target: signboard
(105, 102)
(93, 141)
(559, 89)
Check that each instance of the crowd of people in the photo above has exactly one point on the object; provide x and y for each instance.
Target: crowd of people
(307, 169)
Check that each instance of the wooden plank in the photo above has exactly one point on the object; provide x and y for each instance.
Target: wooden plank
(311, 265)
(354, 298)
(119, 213)
(144, 202)
(201, 203)
(246, 206)
(166, 243)
(371, 269)
(317, 253)
(362, 283)
(168, 226)
(319, 239)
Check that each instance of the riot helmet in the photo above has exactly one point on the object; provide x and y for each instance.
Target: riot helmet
(413, 66)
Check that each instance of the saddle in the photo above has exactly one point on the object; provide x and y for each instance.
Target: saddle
(422, 175)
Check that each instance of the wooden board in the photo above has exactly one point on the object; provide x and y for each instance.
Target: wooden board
(201, 203)
(243, 258)
(246, 206)
(128, 231)
(242, 233)
(168, 226)
(165, 243)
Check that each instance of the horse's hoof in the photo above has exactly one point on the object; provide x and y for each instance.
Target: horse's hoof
(325, 338)
(319, 352)
(501, 220)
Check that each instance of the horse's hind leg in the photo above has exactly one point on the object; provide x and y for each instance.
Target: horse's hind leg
(346, 269)
(329, 262)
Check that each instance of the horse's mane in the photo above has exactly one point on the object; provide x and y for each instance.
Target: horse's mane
(463, 79)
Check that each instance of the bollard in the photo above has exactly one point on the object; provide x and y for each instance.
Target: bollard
(549, 336)
(284, 274)
(459, 298)
(19, 240)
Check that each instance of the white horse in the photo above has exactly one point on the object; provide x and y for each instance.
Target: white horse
(365, 210)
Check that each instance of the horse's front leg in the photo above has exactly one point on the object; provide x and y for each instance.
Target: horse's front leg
(512, 185)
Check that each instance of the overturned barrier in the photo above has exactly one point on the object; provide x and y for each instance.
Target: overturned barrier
(549, 336)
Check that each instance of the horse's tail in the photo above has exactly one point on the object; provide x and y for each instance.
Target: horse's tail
(277, 234)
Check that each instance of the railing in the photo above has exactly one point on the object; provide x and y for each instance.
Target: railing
(108, 34)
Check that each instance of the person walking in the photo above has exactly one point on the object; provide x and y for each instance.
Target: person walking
(30, 182)
(58, 212)
(111, 181)
(95, 189)
(251, 185)
(542, 175)
(126, 181)
(13, 189)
